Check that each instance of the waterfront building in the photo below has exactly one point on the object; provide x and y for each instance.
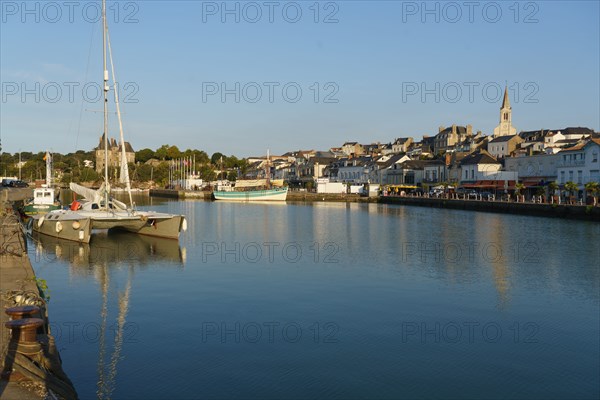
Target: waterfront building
(434, 172)
(353, 170)
(535, 170)
(580, 163)
(408, 173)
(482, 166)
(381, 166)
(505, 127)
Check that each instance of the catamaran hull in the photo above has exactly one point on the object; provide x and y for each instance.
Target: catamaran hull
(67, 228)
(164, 228)
(252, 195)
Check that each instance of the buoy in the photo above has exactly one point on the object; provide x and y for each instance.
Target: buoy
(184, 225)
(76, 225)
(58, 227)
(40, 222)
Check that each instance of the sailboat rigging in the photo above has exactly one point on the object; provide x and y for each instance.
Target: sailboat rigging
(99, 210)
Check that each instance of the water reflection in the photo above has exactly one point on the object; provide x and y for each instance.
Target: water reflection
(103, 258)
(110, 249)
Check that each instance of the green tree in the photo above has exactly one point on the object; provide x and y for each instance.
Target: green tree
(519, 187)
(232, 176)
(201, 157)
(215, 159)
(143, 173)
(207, 173)
(572, 188)
(592, 188)
(143, 155)
(161, 174)
(88, 175)
(161, 152)
(173, 152)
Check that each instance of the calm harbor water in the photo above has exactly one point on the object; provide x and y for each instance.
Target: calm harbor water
(330, 300)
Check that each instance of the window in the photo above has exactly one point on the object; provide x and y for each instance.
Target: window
(466, 174)
(595, 157)
(472, 174)
(579, 177)
(571, 175)
(562, 176)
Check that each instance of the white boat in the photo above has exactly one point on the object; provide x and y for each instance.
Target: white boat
(44, 197)
(257, 190)
(273, 194)
(99, 210)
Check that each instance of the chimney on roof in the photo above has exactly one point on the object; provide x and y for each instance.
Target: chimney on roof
(469, 130)
(454, 129)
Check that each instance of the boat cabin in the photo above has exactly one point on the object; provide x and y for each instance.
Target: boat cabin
(43, 196)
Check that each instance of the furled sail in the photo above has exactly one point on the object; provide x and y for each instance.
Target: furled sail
(92, 195)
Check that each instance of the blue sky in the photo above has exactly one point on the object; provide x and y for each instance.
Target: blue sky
(372, 59)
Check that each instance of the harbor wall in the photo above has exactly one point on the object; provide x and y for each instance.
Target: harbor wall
(29, 369)
(587, 213)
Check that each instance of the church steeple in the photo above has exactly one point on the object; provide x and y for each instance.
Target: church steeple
(505, 127)
(505, 102)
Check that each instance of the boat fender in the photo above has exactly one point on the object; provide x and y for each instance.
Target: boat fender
(76, 225)
(40, 222)
(58, 227)
(184, 225)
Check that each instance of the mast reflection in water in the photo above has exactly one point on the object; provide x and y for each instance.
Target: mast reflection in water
(108, 252)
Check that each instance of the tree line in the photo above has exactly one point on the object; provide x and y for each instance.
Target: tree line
(149, 165)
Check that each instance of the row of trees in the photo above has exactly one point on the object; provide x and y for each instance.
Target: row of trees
(166, 153)
(71, 167)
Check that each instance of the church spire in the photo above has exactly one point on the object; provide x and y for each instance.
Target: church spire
(505, 102)
(505, 127)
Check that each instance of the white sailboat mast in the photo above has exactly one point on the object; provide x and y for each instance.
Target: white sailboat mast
(124, 167)
(105, 92)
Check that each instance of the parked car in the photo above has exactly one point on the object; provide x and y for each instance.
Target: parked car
(18, 184)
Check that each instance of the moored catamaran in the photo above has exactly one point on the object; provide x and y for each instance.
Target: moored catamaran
(99, 210)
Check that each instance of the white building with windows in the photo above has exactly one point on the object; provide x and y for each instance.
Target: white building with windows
(580, 164)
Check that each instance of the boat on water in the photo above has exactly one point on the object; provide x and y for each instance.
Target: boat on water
(44, 198)
(255, 190)
(98, 209)
(273, 194)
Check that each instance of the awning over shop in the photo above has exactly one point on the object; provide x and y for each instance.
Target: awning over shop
(388, 187)
(489, 184)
